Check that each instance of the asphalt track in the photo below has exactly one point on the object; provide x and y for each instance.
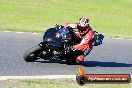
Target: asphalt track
(113, 56)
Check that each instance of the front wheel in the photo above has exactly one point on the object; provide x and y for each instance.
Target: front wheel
(31, 54)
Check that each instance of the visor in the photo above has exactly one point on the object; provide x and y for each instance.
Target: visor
(82, 29)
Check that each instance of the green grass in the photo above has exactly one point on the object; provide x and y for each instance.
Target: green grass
(113, 18)
(56, 83)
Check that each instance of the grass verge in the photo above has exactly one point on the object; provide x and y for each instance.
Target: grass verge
(56, 83)
(113, 18)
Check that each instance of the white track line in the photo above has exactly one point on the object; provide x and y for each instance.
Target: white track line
(129, 39)
(37, 77)
(35, 33)
(6, 31)
(20, 32)
(118, 38)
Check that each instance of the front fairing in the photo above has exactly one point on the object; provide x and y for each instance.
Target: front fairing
(55, 37)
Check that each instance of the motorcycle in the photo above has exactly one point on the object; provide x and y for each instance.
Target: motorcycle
(56, 45)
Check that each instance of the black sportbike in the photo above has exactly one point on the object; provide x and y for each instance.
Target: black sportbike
(57, 45)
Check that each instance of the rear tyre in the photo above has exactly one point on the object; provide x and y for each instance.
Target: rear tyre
(32, 54)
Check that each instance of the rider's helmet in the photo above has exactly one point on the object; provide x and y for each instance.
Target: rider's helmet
(83, 24)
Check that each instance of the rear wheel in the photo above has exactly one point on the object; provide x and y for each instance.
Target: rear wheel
(32, 54)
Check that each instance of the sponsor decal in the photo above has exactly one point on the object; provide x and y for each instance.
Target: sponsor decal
(83, 78)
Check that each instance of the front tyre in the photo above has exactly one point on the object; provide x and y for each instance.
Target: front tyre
(31, 54)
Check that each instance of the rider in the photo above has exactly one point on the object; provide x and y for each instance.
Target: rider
(85, 32)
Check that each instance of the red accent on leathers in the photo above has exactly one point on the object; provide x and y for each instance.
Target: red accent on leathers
(74, 26)
(84, 44)
(86, 40)
(67, 24)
